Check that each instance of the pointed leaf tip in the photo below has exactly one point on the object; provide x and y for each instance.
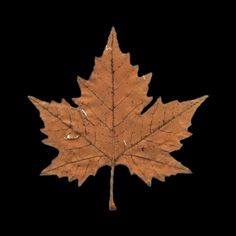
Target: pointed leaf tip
(79, 78)
(33, 99)
(201, 99)
(205, 97)
(113, 30)
(112, 40)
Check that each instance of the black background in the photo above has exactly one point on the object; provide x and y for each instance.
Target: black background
(48, 47)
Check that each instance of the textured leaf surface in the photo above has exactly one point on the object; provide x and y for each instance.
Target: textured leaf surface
(107, 128)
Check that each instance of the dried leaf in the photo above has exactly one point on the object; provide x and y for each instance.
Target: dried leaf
(107, 128)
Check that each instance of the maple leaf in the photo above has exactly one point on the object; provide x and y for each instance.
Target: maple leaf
(107, 128)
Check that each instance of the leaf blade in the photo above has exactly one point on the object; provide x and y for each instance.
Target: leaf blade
(108, 129)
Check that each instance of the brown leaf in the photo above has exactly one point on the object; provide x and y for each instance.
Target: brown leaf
(108, 129)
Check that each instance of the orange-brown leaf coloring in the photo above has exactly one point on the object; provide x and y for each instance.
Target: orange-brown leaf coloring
(107, 128)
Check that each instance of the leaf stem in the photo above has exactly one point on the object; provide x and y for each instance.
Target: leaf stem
(112, 206)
